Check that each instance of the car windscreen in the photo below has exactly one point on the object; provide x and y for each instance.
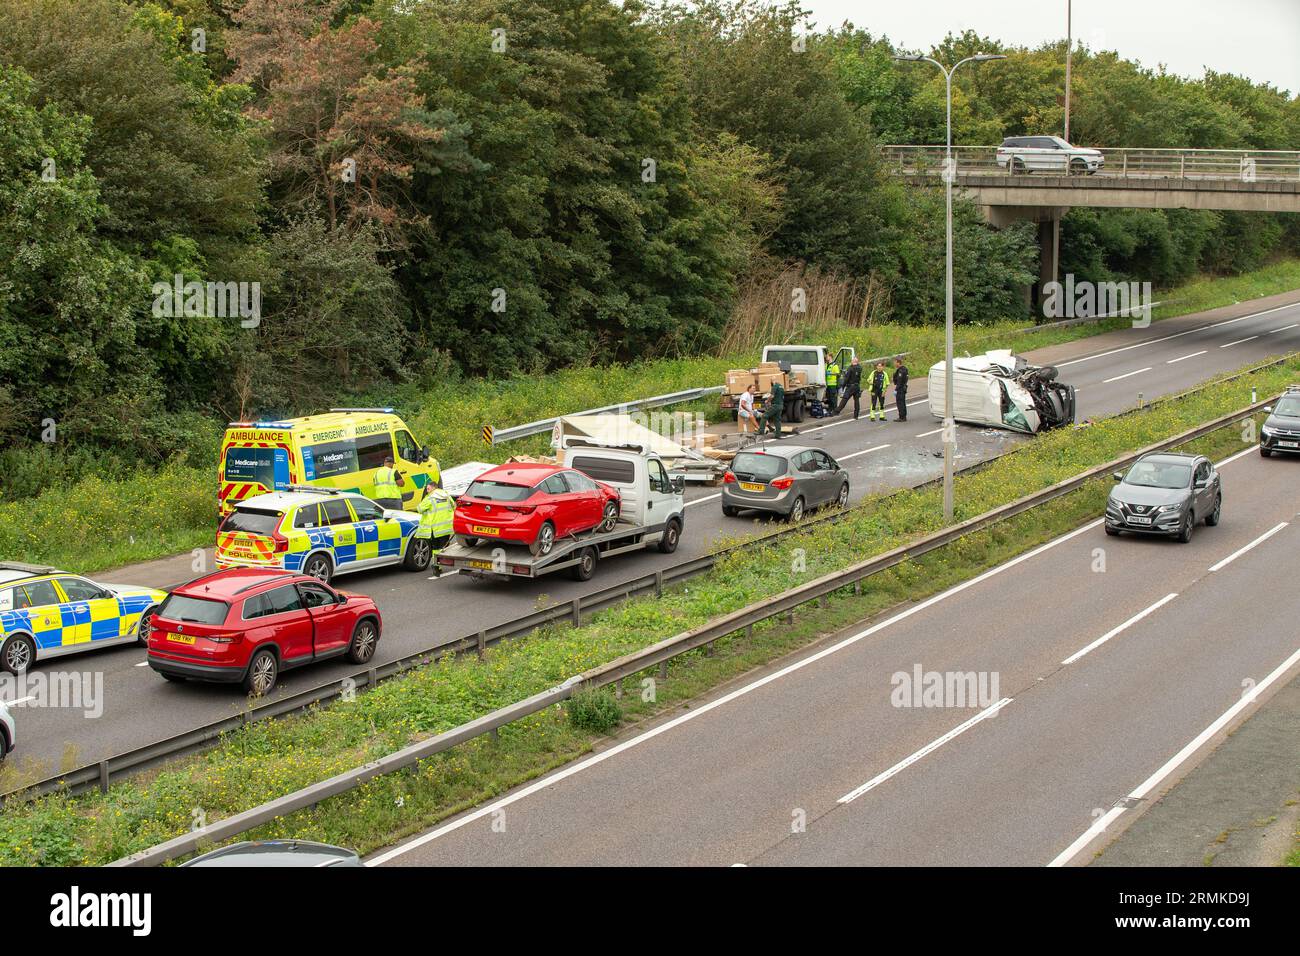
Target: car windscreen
(1288, 408)
(1153, 474)
(182, 607)
(251, 521)
(498, 491)
(793, 356)
(749, 464)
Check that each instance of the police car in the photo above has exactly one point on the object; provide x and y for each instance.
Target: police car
(321, 532)
(45, 613)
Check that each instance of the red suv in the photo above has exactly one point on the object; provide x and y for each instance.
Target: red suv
(245, 625)
(533, 505)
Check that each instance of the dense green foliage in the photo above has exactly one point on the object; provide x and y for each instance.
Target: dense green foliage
(496, 187)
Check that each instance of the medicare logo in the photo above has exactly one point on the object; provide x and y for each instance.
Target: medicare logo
(923, 688)
(66, 690)
(74, 909)
(1090, 300)
(208, 300)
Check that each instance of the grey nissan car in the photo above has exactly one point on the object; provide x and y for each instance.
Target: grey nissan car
(788, 480)
(1281, 431)
(1165, 493)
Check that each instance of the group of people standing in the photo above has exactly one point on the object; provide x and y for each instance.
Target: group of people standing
(878, 382)
(841, 386)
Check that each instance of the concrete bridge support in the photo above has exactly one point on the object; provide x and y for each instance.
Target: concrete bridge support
(1049, 241)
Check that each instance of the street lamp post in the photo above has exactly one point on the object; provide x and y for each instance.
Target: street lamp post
(949, 174)
(1069, 49)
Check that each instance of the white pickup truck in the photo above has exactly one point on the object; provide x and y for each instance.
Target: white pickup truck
(652, 514)
(811, 361)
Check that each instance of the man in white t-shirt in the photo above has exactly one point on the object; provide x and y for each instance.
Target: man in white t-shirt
(745, 411)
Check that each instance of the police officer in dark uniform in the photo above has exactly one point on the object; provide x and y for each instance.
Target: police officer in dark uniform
(900, 387)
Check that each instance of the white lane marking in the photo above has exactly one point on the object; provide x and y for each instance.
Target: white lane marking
(1125, 375)
(650, 734)
(1231, 458)
(1284, 328)
(576, 768)
(1123, 627)
(1183, 358)
(1176, 335)
(1238, 342)
(935, 432)
(1238, 553)
(864, 451)
(700, 501)
(928, 748)
(143, 664)
(1173, 762)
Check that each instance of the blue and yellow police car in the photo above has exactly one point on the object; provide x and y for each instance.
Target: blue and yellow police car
(324, 532)
(47, 613)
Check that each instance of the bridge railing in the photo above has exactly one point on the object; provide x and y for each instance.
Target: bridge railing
(1244, 165)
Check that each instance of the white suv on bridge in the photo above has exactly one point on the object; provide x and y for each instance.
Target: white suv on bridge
(1027, 154)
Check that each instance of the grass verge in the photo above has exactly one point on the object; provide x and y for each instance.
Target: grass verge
(269, 759)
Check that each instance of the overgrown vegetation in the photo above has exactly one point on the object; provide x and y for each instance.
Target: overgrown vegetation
(268, 759)
(498, 188)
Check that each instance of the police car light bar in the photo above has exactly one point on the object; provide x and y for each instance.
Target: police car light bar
(315, 489)
(26, 568)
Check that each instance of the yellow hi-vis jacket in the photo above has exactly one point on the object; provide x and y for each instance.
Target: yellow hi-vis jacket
(832, 375)
(386, 483)
(436, 509)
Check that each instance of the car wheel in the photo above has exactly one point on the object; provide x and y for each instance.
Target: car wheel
(262, 672)
(18, 654)
(365, 637)
(1265, 452)
(1113, 532)
(796, 510)
(586, 566)
(320, 567)
(843, 500)
(544, 541)
(609, 518)
(1018, 167)
(1216, 514)
(671, 536)
(418, 554)
(145, 627)
(1078, 167)
(730, 512)
(1188, 527)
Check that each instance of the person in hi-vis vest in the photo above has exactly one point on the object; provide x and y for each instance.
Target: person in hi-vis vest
(388, 486)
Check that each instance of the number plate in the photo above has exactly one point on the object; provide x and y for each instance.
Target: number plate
(752, 486)
(1137, 520)
(480, 565)
(180, 638)
(483, 529)
(1288, 444)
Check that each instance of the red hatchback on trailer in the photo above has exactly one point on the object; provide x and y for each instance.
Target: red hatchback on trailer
(533, 505)
(245, 625)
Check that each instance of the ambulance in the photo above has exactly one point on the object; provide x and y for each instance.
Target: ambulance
(340, 450)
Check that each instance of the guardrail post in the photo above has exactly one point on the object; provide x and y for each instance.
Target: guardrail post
(659, 584)
(663, 670)
(749, 632)
(1182, 166)
(789, 617)
(372, 677)
(1125, 173)
(482, 644)
(618, 690)
(857, 588)
(577, 611)
(1141, 403)
(103, 776)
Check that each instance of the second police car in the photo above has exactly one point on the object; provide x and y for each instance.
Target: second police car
(323, 532)
(46, 613)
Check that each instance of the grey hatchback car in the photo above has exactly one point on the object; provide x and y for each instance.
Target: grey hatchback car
(1165, 493)
(786, 480)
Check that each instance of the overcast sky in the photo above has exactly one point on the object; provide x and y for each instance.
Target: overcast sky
(1256, 38)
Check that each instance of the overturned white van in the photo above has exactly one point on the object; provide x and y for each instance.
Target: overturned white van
(1000, 389)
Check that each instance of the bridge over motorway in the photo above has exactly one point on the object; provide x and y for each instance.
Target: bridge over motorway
(1221, 179)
